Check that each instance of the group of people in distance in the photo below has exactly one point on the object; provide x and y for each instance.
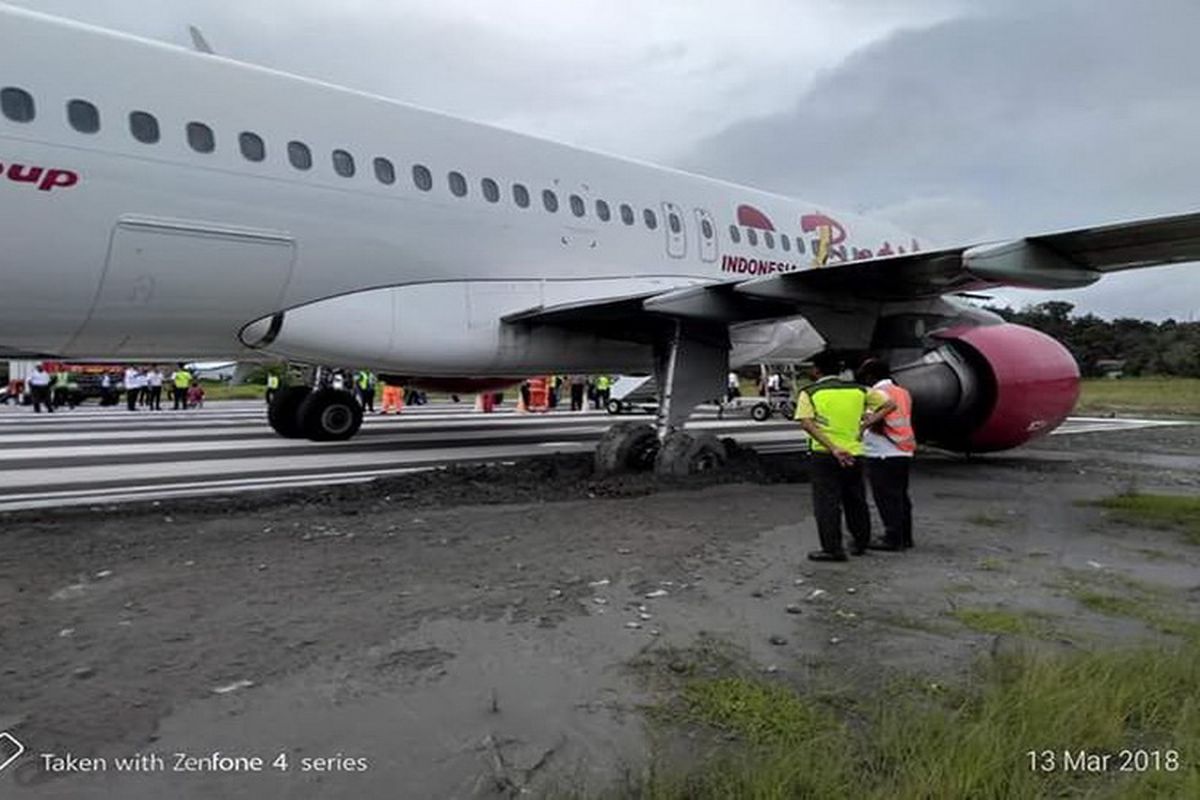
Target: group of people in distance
(144, 388)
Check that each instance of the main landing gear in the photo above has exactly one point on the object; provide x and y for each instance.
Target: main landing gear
(690, 366)
(321, 414)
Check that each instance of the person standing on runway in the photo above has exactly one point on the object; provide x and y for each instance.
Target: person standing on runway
(39, 390)
(272, 386)
(133, 387)
(831, 411)
(154, 384)
(890, 445)
(578, 387)
(181, 381)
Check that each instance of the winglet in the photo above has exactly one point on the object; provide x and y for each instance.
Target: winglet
(198, 41)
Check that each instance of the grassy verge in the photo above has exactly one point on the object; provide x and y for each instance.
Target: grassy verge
(935, 742)
(1157, 510)
(1175, 396)
(1000, 621)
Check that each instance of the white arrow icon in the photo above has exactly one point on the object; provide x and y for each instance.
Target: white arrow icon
(10, 742)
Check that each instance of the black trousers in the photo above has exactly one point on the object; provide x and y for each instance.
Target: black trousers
(576, 396)
(131, 398)
(41, 397)
(838, 490)
(179, 396)
(889, 487)
(155, 399)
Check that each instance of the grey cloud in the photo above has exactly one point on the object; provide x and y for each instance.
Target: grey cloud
(1002, 122)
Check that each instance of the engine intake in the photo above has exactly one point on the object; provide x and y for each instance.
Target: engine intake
(990, 388)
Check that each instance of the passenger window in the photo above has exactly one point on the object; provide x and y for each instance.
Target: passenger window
(200, 137)
(626, 214)
(769, 238)
(577, 207)
(458, 184)
(735, 234)
(17, 104)
(144, 127)
(650, 219)
(603, 211)
(343, 163)
(83, 116)
(799, 244)
(422, 177)
(252, 146)
(674, 223)
(785, 242)
(706, 229)
(299, 155)
(385, 172)
(491, 190)
(752, 237)
(550, 201)
(520, 195)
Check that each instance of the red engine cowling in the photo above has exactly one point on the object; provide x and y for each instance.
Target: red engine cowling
(991, 388)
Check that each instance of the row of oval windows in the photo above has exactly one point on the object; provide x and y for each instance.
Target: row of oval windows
(768, 237)
(18, 106)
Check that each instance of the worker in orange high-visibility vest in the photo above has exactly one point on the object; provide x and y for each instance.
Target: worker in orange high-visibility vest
(890, 443)
(393, 398)
(539, 398)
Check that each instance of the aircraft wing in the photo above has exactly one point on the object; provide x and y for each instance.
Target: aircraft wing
(1064, 260)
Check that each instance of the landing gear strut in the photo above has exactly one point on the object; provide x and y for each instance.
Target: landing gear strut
(690, 366)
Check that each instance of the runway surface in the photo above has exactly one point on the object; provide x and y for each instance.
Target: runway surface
(96, 456)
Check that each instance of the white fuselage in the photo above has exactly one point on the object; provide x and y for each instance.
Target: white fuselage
(119, 248)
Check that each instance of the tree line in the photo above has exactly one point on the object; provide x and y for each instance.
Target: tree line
(1147, 348)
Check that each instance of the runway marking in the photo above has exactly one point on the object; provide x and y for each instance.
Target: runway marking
(93, 456)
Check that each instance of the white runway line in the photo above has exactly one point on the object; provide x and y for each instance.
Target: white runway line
(249, 457)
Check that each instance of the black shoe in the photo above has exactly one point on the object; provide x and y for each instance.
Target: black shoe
(859, 550)
(821, 555)
(888, 546)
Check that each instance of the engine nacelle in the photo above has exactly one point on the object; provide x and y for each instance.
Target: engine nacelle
(990, 388)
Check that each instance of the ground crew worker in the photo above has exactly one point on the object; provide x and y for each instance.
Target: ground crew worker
(393, 398)
(39, 390)
(272, 386)
(181, 381)
(62, 387)
(578, 386)
(890, 443)
(603, 391)
(365, 383)
(831, 411)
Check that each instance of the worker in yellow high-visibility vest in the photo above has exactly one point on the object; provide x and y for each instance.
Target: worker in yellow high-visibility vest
(831, 411)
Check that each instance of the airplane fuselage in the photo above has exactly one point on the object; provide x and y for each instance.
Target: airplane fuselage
(214, 194)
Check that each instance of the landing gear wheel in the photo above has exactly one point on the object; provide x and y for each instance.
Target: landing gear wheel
(284, 411)
(761, 412)
(329, 415)
(685, 454)
(614, 407)
(626, 447)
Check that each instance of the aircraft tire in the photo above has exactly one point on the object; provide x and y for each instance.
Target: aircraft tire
(626, 447)
(685, 454)
(284, 411)
(329, 415)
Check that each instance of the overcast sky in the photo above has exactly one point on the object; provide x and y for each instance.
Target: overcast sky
(962, 120)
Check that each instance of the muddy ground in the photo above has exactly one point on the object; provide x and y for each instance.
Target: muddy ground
(484, 630)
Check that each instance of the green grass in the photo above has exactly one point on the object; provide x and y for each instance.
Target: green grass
(987, 520)
(999, 621)
(1174, 396)
(217, 390)
(947, 743)
(1139, 607)
(1158, 510)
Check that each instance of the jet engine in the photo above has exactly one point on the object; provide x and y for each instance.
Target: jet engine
(990, 387)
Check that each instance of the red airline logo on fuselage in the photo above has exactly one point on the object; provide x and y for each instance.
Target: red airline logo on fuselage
(44, 178)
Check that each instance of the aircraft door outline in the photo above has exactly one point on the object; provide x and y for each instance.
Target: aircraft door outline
(676, 235)
(706, 235)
